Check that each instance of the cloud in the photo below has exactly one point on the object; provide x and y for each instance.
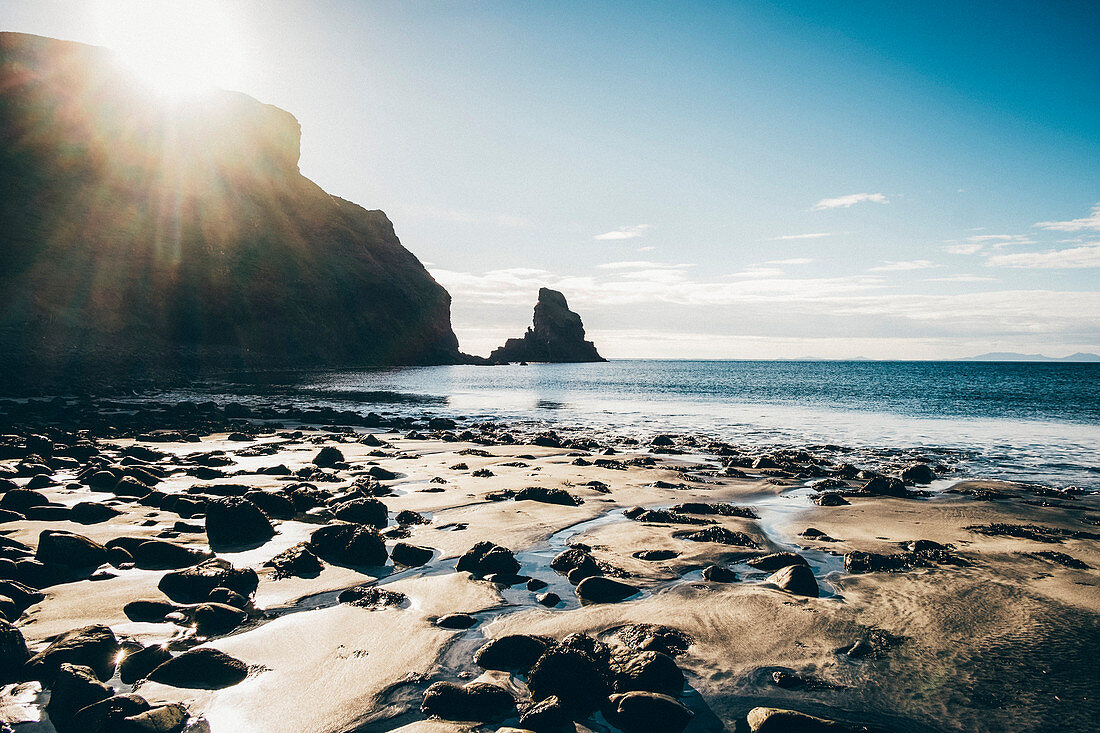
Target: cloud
(960, 279)
(844, 202)
(640, 265)
(1090, 223)
(815, 235)
(963, 249)
(627, 232)
(904, 266)
(1073, 258)
(647, 249)
(790, 261)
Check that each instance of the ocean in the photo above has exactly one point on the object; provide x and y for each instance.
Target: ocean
(1035, 422)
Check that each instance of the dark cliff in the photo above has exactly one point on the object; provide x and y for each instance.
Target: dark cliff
(138, 236)
(557, 335)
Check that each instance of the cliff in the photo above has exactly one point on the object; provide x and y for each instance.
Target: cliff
(138, 236)
(557, 335)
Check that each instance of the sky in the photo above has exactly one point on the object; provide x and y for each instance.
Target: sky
(701, 179)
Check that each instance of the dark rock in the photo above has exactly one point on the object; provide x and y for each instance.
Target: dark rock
(139, 664)
(796, 579)
(648, 712)
(918, 473)
(92, 512)
(193, 585)
(13, 653)
(65, 548)
(720, 535)
(364, 511)
(215, 619)
(576, 563)
(369, 596)
(297, 560)
(91, 646)
(456, 621)
(204, 668)
(149, 610)
(548, 496)
(229, 598)
(647, 671)
(353, 545)
(160, 555)
(774, 720)
(871, 562)
(408, 516)
(556, 335)
(381, 474)
(411, 555)
(598, 589)
(486, 558)
(719, 574)
(23, 595)
(536, 584)
(105, 716)
(884, 486)
(516, 652)
(476, 702)
(328, 457)
(348, 292)
(571, 675)
(656, 555)
(170, 718)
(235, 522)
(830, 498)
(273, 505)
(654, 637)
(776, 560)
(549, 599)
(546, 716)
(73, 687)
(20, 500)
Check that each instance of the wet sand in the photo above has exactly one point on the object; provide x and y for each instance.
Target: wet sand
(981, 634)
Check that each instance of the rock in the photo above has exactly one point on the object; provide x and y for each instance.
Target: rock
(229, 598)
(516, 652)
(23, 595)
(858, 561)
(149, 610)
(476, 702)
(556, 335)
(92, 512)
(193, 585)
(381, 474)
(654, 637)
(364, 511)
(90, 646)
(408, 516)
(203, 668)
(235, 522)
(411, 555)
(656, 555)
(296, 560)
(775, 720)
(214, 619)
(720, 535)
(598, 589)
(13, 653)
(647, 671)
(73, 550)
(20, 500)
(719, 574)
(368, 596)
(486, 558)
(353, 545)
(576, 563)
(830, 498)
(548, 496)
(571, 675)
(776, 560)
(549, 599)
(328, 457)
(160, 555)
(918, 473)
(276, 506)
(884, 486)
(139, 664)
(74, 687)
(170, 718)
(456, 621)
(105, 716)
(535, 584)
(648, 712)
(546, 716)
(796, 579)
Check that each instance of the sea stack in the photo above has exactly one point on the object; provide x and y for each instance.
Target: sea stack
(557, 335)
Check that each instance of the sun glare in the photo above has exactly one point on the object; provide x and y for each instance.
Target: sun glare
(176, 48)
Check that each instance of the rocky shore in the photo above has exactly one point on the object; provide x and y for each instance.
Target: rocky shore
(219, 567)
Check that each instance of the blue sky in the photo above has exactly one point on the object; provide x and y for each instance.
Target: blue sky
(737, 179)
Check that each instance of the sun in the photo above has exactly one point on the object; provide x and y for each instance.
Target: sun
(177, 48)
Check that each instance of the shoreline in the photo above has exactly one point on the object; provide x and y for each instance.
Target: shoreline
(320, 664)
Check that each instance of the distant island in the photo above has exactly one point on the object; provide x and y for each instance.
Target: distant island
(556, 335)
(1014, 356)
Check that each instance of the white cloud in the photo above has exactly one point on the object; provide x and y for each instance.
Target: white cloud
(815, 235)
(960, 279)
(640, 265)
(844, 202)
(1090, 223)
(904, 266)
(1073, 258)
(647, 249)
(963, 249)
(790, 261)
(627, 232)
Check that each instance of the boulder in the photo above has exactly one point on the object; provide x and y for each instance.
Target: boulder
(229, 597)
(576, 563)
(90, 646)
(548, 496)
(13, 653)
(328, 457)
(410, 555)
(648, 672)
(193, 585)
(456, 621)
(556, 335)
(648, 712)
(476, 702)
(486, 558)
(235, 522)
(364, 511)
(161, 555)
(149, 610)
(775, 720)
(573, 676)
(599, 589)
(203, 668)
(719, 574)
(830, 498)
(20, 500)
(720, 535)
(137, 665)
(92, 512)
(276, 506)
(369, 596)
(215, 619)
(515, 652)
(776, 560)
(796, 579)
(74, 686)
(546, 716)
(918, 473)
(170, 718)
(353, 545)
(57, 547)
(297, 560)
(105, 716)
(654, 637)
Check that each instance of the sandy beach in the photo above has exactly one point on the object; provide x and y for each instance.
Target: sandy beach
(935, 606)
